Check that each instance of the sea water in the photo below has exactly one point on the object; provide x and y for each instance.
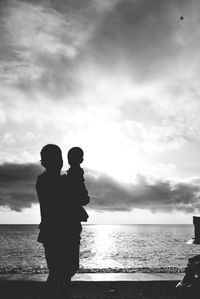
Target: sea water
(104, 248)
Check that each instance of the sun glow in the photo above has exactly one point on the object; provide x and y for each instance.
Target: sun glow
(107, 150)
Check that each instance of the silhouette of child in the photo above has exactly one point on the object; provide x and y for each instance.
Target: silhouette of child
(76, 181)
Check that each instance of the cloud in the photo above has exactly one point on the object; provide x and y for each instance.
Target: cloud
(157, 195)
(17, 191)
(142, 38)
(56, 49)
(118, 77)
(49, 46)
(43, 47)
(17, 185)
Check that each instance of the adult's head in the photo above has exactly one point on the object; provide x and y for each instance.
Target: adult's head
(51, 158)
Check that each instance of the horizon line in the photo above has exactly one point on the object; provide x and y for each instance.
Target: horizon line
(106, 224)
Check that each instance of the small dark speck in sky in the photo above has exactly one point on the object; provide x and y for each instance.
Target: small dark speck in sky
(181, 18)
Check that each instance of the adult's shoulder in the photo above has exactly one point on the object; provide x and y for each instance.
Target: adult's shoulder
(41, 178)
(40, 182)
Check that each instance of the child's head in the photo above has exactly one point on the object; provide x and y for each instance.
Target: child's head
(75, 156)
(51, 158)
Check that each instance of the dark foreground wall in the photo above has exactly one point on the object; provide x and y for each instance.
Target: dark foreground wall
(94, 290)
(101, 286)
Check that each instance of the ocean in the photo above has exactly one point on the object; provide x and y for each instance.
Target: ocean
(104, 248)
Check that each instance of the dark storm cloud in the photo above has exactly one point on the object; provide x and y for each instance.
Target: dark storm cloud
(17, 182)
(18, 172)
(17, 191)
(165, 196)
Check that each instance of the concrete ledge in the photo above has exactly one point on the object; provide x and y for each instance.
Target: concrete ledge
(99, 277)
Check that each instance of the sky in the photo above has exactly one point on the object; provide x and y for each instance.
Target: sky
(120, 79)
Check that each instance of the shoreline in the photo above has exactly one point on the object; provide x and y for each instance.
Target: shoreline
(38, 270)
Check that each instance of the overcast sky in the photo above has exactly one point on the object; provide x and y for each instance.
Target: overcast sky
(119, 78)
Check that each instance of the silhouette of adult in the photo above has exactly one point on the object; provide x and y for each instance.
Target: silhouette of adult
(60, 227)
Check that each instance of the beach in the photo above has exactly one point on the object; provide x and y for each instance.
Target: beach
(95, 286)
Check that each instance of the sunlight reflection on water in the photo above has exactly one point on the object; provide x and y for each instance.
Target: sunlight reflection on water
(132, 246)
(104, 246)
